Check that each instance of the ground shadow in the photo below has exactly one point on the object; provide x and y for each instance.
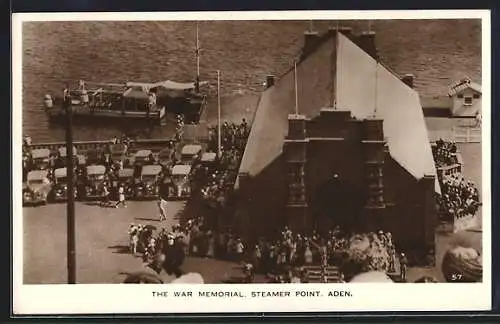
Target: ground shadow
(147, 219)
(120, 249)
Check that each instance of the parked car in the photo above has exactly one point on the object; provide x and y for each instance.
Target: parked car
(190, 153)
(143, 157)
(117, 152)
(40, 159)
(180, 181)
(125, 177)
(62, 153)
(95, 156)
(166, 158)
(60, 187)
(147, 185)
(95, 181)
(37, 189)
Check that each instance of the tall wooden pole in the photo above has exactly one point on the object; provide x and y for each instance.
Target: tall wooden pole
(219, 149)
(296, 88)
(197, 83)
(71, 254)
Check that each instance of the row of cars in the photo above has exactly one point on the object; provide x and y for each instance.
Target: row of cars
(146, 177)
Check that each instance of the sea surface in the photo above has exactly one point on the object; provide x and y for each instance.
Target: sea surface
(437, 52)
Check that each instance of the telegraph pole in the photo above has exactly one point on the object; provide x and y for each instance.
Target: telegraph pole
(219, 151)
(70, 211)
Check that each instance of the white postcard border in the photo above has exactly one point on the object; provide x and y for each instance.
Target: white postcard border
(79, 299)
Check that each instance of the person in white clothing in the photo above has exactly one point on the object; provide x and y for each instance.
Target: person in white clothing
(121, 197)
(162, 206)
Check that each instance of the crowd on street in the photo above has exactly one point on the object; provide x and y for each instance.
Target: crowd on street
(459, 197)
(444, 153)
(220, 183)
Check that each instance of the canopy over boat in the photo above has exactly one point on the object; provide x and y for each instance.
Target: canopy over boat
(167, 85)
(42, 153)
(37, 175)
(181, 169)
(136, 94)
(126, 173)
(191, 149)
(151, 170)
(60, 173)
(96, 169)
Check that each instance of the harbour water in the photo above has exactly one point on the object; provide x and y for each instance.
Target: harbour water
(437, 52)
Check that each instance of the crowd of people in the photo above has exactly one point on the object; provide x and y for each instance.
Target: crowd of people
(459, 197)
(282, 258)
(220, 183)
(444, 153)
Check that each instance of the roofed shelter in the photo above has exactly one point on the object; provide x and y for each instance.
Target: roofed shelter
(360, 129)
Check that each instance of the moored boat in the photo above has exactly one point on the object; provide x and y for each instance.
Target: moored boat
(129, 101)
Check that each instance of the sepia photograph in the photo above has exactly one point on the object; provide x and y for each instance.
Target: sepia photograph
(273, 151)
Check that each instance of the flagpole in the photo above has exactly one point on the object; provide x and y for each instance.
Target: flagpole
(70, 206)
(197, 84)
(296, 89)
(219, 150)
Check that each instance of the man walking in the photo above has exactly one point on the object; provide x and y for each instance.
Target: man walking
(121, 197)
(403, 264)
(162, 206)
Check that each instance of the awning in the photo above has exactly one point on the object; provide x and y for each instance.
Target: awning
(37, 175)
(208, 157)
(143, 153)
(167, 85)
(181, 169)
(125, 173)
(135, 94)
(191, 149)
(151, 170)
(40, 153)
(60, 173)
(96, 169)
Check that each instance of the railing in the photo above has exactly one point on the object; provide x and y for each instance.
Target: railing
(466, 134)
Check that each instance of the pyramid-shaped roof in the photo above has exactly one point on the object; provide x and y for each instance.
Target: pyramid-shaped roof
(339, 69)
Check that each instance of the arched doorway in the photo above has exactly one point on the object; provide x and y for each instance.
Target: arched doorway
(336, 202)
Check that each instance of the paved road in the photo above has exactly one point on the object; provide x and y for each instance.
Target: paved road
(101, 243)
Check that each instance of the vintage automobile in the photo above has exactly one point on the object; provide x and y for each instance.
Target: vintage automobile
(95, 156)
(117, 152)
(94, 182)
(60, 188)
(126, 178)
(143, 157)
(61, 157)
(147, 185)
(165, 157)
(190, 153)
(209, 160)
(180, 181)
(40, 159)
(38, 187)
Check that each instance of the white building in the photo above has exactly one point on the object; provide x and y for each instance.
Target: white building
(466, 98)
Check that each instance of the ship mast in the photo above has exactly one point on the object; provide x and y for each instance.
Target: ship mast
(197, 83)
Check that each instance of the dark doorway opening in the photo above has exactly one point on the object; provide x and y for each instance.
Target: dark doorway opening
(337, 202)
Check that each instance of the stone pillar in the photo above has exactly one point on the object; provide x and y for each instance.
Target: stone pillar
(295, 161)
(366, 41)
(430, 217)
(409, 80)
(311, 40)
(269, 81)
(373, 144)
